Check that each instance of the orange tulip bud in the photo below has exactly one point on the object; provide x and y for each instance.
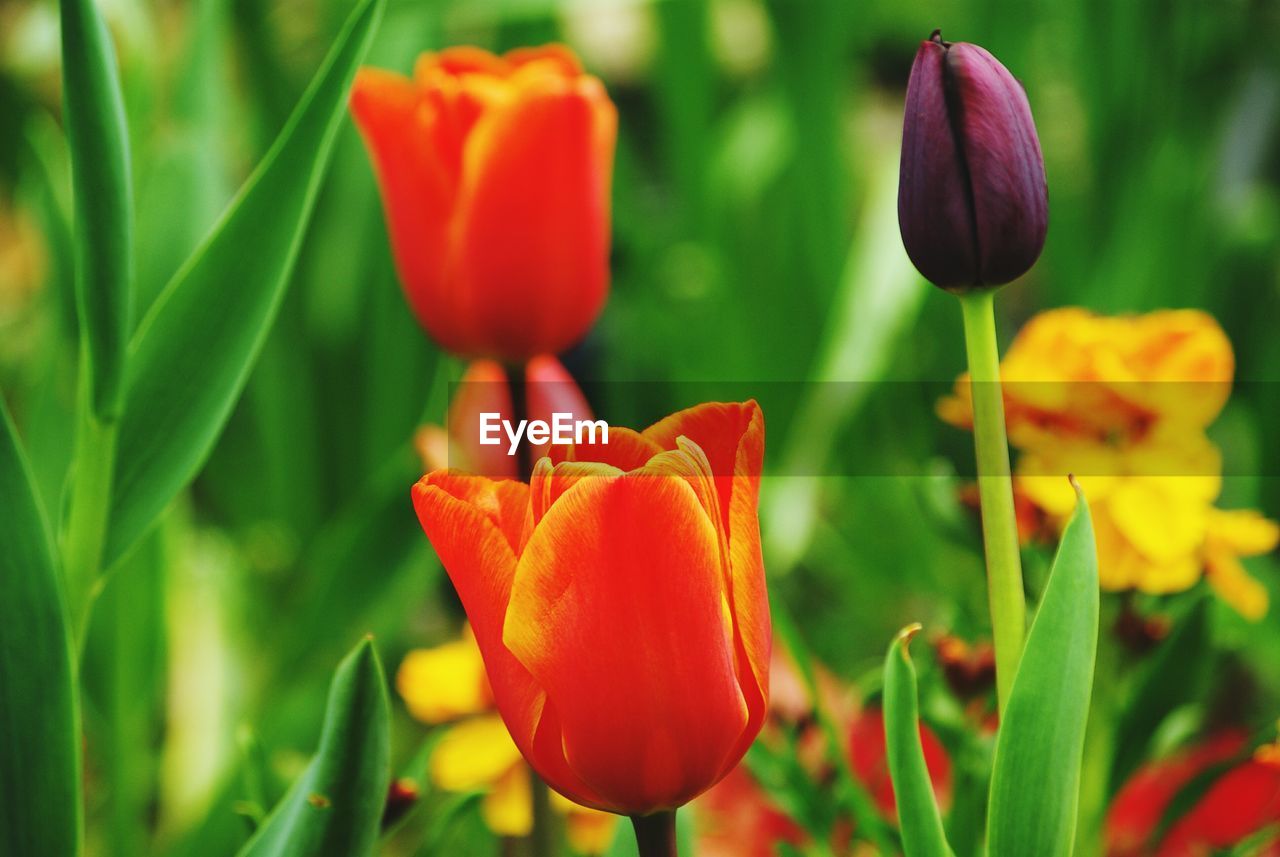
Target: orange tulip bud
(619, 603)
(495, 175)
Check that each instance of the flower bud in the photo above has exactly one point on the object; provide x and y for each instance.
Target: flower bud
(972, 201)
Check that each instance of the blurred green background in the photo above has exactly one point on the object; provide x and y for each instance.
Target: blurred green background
(755, 242)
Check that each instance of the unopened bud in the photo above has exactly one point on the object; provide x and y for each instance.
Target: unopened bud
(972, 200)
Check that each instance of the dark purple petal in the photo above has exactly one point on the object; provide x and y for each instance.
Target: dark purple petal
(972, 198)
(934, 212)
(1006, 169)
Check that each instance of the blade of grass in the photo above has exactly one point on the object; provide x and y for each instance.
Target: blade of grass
(40, 770)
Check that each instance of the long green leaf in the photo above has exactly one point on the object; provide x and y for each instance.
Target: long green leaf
(1036, 775)
(918, 816)
(335, 808)
(99, 141)
(193, 352)
(40, 811)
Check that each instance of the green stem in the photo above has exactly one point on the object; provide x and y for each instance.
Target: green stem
(90, 505)
(995, 489)
(656, 834)
(543, 838)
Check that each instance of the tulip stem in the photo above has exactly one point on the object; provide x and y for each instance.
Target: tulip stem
(543, 835)
(517, 385)
(995, 488)
(87, 518)
(656, 834)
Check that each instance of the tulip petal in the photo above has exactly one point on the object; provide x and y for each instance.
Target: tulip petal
(471, 522)
(626, 450)
(562, 57)
(934, 211)
(732, 438)
(616, 561)
(476, 525)
(417, 192)
(483, 389)
(534, 214)
(551, 390)
(549, 481)
(1005, 167)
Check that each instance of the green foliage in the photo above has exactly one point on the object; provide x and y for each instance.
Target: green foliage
(335, 808)
(1036, 774)
(918, 817)
(193, 351)
(101, 178)
(40, 775)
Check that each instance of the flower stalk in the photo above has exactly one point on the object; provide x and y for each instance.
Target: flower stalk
(995, 489)
(543, 835)
(656, 834)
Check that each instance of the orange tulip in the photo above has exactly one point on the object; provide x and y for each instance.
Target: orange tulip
(619, 603)
(495, 175)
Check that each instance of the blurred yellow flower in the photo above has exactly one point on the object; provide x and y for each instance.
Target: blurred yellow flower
(447, 685)
(1123, 403)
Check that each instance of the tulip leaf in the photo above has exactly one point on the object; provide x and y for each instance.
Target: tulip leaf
(193, 352)
(39, 721)
(1036, 773)
(918, 816)
(334, 809)
(100, 170)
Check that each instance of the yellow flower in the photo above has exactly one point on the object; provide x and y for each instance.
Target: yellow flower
(1123, 404)
(447, 684)
(1070, 373)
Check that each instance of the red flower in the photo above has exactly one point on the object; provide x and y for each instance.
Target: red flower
(495, 176)
(737, 819)
(1241, 802)
(620, 606)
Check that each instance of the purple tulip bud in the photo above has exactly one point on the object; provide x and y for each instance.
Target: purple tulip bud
(972, 201)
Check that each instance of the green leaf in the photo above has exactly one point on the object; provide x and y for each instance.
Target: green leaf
(99, 141)
(40, 812)
(918, 817)
(192, 354)
(1036, 774)
(335, 807)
